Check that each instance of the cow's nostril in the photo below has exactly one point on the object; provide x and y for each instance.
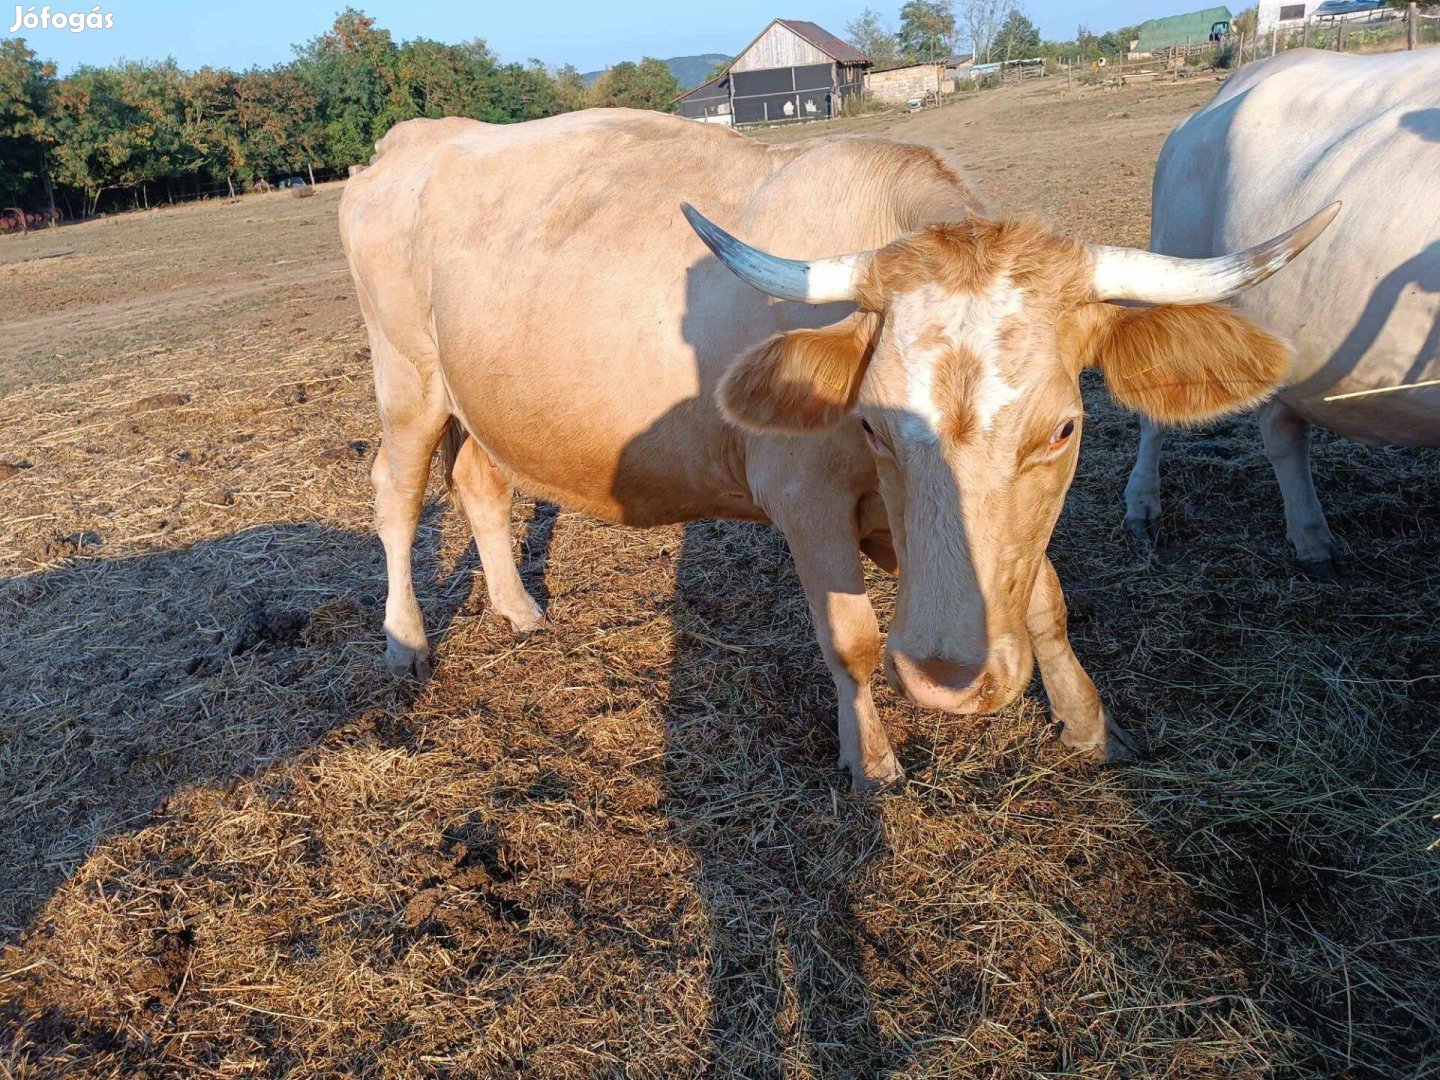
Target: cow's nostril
(937, 683)
(948, 673)
(987, 690)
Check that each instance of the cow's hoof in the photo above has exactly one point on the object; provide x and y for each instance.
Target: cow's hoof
(404, 662)
(878, 778)
(525, 617)
(1144, 531)
(1112, 746)
(1326, 568)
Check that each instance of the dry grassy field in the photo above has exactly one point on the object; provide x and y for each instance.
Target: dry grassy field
(231, 847)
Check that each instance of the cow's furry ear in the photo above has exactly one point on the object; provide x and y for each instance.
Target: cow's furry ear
(801, 381)
(1181, 364)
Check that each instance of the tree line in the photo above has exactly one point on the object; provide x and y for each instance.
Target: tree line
(136, 132)
(990, 30)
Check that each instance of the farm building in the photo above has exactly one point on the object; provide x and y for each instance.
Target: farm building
(909, 81)
(1007, 71)
(709, 102)
(794, 70)
(1281, 13)
(1194, 28)
(1285, 15)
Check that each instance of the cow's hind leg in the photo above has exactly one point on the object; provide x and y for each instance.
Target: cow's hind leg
(1287, 445)
(1142, 492)
(827, 557)
(485, 496)
(412, 413)
(1074, 701)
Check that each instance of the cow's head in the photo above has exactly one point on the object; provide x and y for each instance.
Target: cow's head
(963, 366)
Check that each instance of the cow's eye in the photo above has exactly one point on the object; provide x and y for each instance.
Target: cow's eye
(877, 444)
(1061, 435)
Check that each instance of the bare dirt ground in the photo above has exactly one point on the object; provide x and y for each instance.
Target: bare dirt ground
(229, 846)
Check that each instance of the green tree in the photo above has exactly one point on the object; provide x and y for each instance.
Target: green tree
(134, 125)
(211, 139)
(1017, 38)
(352, 72)
(521, 92)
(570, 88)
(646, 85)
(1116, 43)
(277, 115)
(436, 80)
(868, 33)
(120, 127)
(927, 29)
(27, 86)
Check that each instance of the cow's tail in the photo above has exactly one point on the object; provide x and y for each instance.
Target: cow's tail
(450, 444)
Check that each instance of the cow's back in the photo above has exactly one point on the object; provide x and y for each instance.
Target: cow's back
(1283, 138)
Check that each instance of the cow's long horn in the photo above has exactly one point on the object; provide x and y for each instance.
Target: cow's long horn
(1131, 274)
(823, 281)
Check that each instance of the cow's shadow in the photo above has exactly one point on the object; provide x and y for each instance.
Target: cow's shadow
(751, 787)
(128, 680)
(1423, 122)
(1419, 274)
(119, 661)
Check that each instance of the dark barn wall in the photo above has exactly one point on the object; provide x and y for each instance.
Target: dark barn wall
(852, 80)
(761, 96)
(705, 100)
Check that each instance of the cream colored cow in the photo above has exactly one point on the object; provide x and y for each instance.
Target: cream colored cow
(1363, 308)
(537, 287)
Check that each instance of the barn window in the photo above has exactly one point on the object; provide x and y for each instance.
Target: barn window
(1292, 11)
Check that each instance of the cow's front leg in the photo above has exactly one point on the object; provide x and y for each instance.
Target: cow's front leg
(827, 557)
(1287, 445)
(1074, 701)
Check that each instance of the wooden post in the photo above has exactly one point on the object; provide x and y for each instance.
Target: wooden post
(1273, 31)
(1342, 35)
(1305, 35)
(1412, 25)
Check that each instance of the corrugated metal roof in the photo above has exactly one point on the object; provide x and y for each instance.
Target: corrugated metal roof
(1346, 7)
(825, 41)
(1176, 29)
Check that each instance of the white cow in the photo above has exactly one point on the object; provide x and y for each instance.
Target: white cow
(1363, 306)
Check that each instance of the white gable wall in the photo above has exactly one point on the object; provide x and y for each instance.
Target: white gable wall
(779, 47)
(1268, 13)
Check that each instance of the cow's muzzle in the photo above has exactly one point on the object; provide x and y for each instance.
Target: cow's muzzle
(956, 687)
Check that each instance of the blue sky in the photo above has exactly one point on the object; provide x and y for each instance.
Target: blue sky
(586, 33)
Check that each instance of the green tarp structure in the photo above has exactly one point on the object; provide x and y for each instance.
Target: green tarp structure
(1195, 27)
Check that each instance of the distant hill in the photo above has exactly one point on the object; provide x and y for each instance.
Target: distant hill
(689, 71)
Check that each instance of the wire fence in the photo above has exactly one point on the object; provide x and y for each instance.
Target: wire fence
(79, 206)
(1387, 30)
(167, 193)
